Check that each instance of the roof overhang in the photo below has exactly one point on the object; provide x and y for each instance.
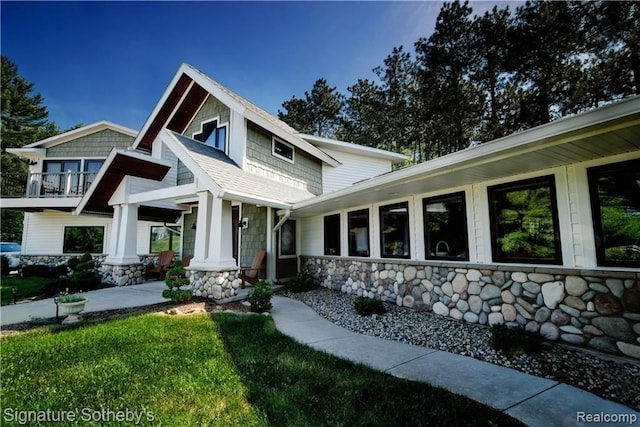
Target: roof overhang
(349, 147)
(605, 132)
(118, 165)
(186, 93)
(81, 132)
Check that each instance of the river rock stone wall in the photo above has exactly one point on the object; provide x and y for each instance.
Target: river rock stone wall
(214, 284)
(118, 275)
(595, 309)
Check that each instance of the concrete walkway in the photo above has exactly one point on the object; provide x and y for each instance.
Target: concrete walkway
(532, 400)
(148, 293)
(535, 401)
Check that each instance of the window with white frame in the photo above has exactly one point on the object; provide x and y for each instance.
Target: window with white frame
(164, 238)
(332, 234)
(394, 231)
(78, 240)
(445, 227)
(524, 221)
(615, 205)
(359, 233)
(212, 134)
(282, 150)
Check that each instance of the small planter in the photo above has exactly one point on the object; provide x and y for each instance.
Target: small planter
(71, 309)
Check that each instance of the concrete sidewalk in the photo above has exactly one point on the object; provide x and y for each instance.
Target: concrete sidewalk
(532, 400)
(148, 293)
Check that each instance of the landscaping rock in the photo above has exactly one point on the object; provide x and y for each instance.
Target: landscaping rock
(615, 327)
(553, 293)
(549, 331)
(489, 292)
(607, 304)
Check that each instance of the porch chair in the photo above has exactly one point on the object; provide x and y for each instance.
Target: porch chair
(256, 272)
(159, 270)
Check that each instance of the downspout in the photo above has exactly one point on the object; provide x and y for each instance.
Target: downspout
(287, 214)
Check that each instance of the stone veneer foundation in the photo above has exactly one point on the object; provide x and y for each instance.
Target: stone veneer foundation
(592, 308)
(214, 284)
(119, 275)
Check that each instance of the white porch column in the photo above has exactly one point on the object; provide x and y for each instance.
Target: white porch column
(124, 235)
(203, 224)
(220, 254)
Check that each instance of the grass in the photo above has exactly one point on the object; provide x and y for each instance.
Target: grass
(27, 288)
(221, 370)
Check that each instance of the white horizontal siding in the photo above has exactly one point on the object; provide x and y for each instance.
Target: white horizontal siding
(311, 230)
(354, 168)
(43, 232)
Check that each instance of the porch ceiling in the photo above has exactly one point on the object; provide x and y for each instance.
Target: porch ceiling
(121, 166)
(510, 156)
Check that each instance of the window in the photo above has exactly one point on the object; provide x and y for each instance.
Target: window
(332, 234)
(288, 239)
(394, 230)
(212, 135)
(524, 222)
(54, 179)
(164, 238)
(78, 240)
(359, 233)
(282, 149)
(91, 168)
(615, 204)
(445, 227)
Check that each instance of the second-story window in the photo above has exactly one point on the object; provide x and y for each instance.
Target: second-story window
(212, 135)
(282, 150)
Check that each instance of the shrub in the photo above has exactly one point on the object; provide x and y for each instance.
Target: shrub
(513, 340)
(260, 296)
(368, 306)
(301, 283)
(177, 295)
(84, 275)
(36, 270)
(176, 276)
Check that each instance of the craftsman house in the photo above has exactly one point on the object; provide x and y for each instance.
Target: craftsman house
(540, 228)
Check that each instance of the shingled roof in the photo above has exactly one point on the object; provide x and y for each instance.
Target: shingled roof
(232, 179)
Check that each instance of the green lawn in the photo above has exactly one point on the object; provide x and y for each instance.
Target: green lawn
(27, 288)
(202, 370)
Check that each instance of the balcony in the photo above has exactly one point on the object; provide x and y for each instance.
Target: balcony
(45, 185)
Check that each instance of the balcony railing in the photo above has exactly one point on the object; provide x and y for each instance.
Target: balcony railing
(43, 185)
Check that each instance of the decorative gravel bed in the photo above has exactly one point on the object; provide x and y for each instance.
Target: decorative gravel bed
(609, 377)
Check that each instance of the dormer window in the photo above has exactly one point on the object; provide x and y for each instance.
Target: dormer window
(212, 135)
(282, 150)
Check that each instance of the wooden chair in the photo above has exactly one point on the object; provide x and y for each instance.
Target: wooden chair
(256, 272)
(186, 260)
(159, 270)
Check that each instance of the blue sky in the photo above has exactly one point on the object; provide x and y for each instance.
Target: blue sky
(112, 61)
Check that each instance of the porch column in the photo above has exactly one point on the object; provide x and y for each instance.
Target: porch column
(203, 224)
(220, 254)
(124, 235)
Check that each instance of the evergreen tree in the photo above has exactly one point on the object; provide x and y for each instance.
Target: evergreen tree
(319, 113)
(451, 104)
(397, 77)
(24, 120)
(364, 119)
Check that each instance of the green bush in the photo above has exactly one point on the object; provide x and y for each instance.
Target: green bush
(513, 340)
(177, 295)
(260, 296)
(84, 275)
(177, 276)
(301, 283)
(368, 306)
